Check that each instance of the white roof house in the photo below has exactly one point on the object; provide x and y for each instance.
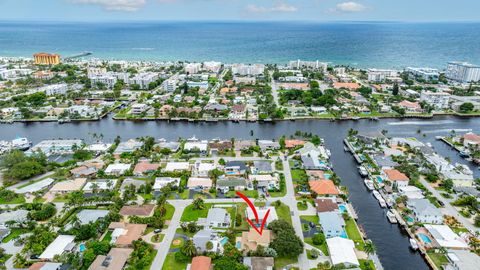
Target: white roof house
(261, 213)
(160, 182)
(342, 251)
(17, 215)
(195, 182)
(445, 237)
(201, 145)
(202, 169)
(177, 166)
(117, 169)
(61, 244)
(101, 185)
(37, 186)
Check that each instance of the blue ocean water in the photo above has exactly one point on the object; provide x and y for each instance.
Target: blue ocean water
(374, 44)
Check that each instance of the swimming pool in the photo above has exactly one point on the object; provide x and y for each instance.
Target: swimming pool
(238, 245)
(342, 208)
(344, 235)
(425, 238)
(327, 175)
(224, 241)
(379, 179)
(82, 247)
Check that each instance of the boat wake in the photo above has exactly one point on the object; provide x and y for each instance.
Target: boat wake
(420, 123)
(143, 49)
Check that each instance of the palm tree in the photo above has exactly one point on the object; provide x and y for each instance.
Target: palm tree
(198, 204)
(189, 248)
(369, 247)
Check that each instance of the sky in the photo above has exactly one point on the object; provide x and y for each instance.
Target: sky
(244, 10)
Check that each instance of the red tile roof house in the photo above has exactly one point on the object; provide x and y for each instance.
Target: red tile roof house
(471, 139)
(323, 187)
(145, 210)
(395, 176)
(293, 143)
(410, 106)
(201, 263)
(145, 168)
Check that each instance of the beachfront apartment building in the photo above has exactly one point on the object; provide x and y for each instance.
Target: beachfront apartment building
(380, 75)
(143, 79)
(55, 89)
(193, 68)
(212, 66)
(248, 70)
(439, 100)
(298, 64)
(427, 74)
(462, 72)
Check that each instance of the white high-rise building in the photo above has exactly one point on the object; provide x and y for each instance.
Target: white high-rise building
(463, 72)
(193, 68)
(428, 74)
(379, 75)
(144, 79)
(212, 66)
(248, 70)
(55, 89)
(439, 100)
(297, 64)
(169, 85)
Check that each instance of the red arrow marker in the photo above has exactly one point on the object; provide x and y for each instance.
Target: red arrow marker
(254, 210)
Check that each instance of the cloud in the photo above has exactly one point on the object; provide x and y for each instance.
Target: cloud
(115, 5)
(350, 7)
(279, 7)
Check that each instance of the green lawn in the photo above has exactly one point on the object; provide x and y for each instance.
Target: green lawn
(108, 236)
(312, 218)
(248, 193)
(323, 247)
(283, 212)
(13, 234)
(354, 234)
(299, 175)
(171, 264)
(170, 211)
(190, 214)
(439, 259)
(366, 264)
(157, 238)
(302, 206)
(18, 200)
(282, 262)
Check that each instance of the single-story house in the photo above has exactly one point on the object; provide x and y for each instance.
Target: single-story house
(60, 245)
(445, 237)
(252, 239)
(117, 169)
(145, 167)
(36, 186)
(202, 237)
(160, 182)
(323, 187)
(68, 186)
(199, 183)
(261, 211)
(396, 177)
(262, 166)
(125, 233)
(202, 169)
(16, 215)
(200, 263)
(342, 251)
(177, 166)
(235, 168)
(244, 144)
(268, 145)
(100, 185)
(326, 205)
(114, 260)
(218, 218)
(424, 211)
(231, 183)
(332, 224)
(145, 210)
(265, 181)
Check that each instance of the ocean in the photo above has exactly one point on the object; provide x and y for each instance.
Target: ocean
(359, 44)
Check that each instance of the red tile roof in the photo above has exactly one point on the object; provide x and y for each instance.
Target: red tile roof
(201, 263)
(395, 175)
(323, 187)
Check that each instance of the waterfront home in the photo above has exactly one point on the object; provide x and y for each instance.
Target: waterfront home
(196, 146)
(235, 168)
(250, 240)
(268, 145)
(217, 147)
(262, 167)
(145, 210)
(412, 107)
(332, 224)
(68, 186)
(370, 137)
(127, 147)
(117, 169)
(318, 152)
(47, 266)
(61, 244)
(438, 100)
(462, 260)
(259, 263)
(200, 263)
(100, 185)
(161, 182)
(114, 260)
(226, 184)
(471, 140)
(424, 211)
(315, 175)
(342, 251)
(177, 166)
(266, 181)
(202, 237)
(328, 204)
(445, 237)
(199, 183)
(50, 147)
(289, 144)
(87, 169)
(18, 216)
(35, 186)
(145, 167)
(202, 169)
(411, 192)
(172, 146)
(384, 162)
(323, 187)
(123, 234)
(396, 177)
(244, 144)
(261, 211)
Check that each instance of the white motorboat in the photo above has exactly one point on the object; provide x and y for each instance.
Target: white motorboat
(369, 184)
(379, 198)
(391, 217)
(413, 244)
(362, 171)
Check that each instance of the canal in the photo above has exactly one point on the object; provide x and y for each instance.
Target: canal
(392, 245)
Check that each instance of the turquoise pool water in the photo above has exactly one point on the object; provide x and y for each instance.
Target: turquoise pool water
(342, 208)
(425, 238)
(238, 245)
(327, 175)
(379, 179)
(344, 234)
(224, 241)
(82, 247)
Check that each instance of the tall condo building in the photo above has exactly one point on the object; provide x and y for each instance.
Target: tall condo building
(463, 72)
